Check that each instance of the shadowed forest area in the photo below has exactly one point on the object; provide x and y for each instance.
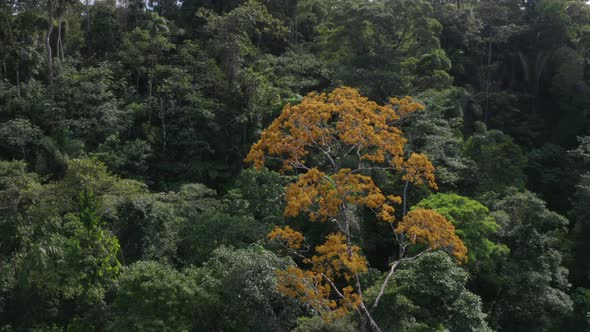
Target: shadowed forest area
(295, 165)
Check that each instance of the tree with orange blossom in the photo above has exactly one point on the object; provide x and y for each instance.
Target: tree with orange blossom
(334, 141)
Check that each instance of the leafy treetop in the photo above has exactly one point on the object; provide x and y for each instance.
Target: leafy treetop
(336, 140)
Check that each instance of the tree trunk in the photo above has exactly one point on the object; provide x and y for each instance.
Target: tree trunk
(163, 119)
(6, 55)
(488, 78)
(400, 237)
(362, 307)
(87, 18)
(58, 43)
(151, 82)
(296, 27)
(405, 199)
(137, 83)
(150, 86)
(60, 40)
(48, 43)
(17, 78)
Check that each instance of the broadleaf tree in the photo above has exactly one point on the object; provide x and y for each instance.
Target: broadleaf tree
(335, 141)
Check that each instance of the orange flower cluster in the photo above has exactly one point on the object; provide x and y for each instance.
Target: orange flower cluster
(316, 286)
(334, 260)
(333, 127)
(313, 289)
(405, 106)
(431, 228)
(419, 170)
(335, 124)
(322, 197)
(292, 238)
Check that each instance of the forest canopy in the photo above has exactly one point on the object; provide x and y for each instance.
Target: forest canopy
(294, 165)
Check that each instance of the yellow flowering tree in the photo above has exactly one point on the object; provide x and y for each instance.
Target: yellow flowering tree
(334, 141)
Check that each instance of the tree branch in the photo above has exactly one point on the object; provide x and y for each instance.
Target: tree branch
(390, 274)
(384, 284)
(332, 285)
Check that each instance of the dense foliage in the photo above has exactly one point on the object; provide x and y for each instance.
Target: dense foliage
(305, 165)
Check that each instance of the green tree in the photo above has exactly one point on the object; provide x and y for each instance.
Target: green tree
(20, 134)
(551, 176)
(209, 223)
(153, 296)
(437, 131)
(142, 49)
(18, 190)
(61, 268)
(385, 47)
(129, 159)
(473, 224)
(87, 105)
(242, 42)
(499, 160)
(56, 150)
(581, 216)
(533, 282)
(501, 21)
(103, 33)
(22, 50)
(90, 263)
(147, 228)
(429, 293)
(245, 282)
(260, 194)
(92, 175)
(18, 187)
(580, 318)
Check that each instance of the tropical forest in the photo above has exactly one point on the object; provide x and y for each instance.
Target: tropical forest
(295, 165)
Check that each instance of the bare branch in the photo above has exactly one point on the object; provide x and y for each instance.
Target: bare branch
(390, 274)
(332, 285)
(384, 284)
